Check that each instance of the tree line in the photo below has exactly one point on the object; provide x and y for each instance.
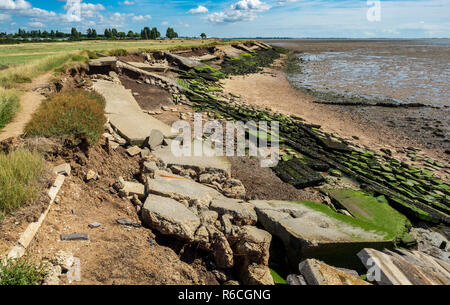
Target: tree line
(145, 34)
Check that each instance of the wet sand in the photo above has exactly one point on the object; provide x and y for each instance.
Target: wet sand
(271, 88)
(406, 70)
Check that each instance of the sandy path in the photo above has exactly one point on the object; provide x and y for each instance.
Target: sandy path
(29, 102)
(271, 89)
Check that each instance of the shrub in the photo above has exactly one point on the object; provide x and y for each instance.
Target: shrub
(21, 272)
(9, 105)
(118, 52)
(70, 114)
(21, 177)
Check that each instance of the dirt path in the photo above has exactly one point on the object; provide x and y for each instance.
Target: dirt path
(271, 89)
(29, 102)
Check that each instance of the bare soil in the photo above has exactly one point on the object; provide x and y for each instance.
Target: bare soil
(262, 183)
(150, 97)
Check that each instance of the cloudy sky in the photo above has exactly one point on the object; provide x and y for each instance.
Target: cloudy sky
(237, 18)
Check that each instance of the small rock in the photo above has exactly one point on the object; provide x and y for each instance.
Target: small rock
(133, 151)
(52, 274)
(94, 225)
(127, 222)
(63, 259)
(91, 175)
(155, 139)
(74, 273)
(74, 237)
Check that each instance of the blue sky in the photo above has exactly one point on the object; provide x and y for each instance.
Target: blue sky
(237, 18)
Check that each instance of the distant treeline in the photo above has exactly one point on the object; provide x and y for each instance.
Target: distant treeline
(74, 35)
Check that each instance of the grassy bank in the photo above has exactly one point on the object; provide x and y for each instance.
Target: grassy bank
(9, 105)
(21, 175)
(21, 272)
(71, 114)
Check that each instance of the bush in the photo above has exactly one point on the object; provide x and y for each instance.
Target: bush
(9, 105)
(70, 114)
(21, 177)
(118, 52)
(21, 272)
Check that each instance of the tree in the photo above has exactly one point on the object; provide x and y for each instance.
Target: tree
(145, 33)
(130, 34)
(154, 34)
(203, 35)
(74, 34)
(170, 33)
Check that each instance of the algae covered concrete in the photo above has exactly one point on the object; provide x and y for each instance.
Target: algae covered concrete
(311, 229)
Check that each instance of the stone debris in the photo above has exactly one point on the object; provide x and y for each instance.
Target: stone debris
(132, 188)
(94, 225)
(74, 237)
(91, 175)
(318, 273)
(170, 217)
(407, 268)
(155, 139)
(63, 259)
(74, 273)
(128, 222)
(52, 274)
(295, 280)
(241, 212)
(133, 151)
(180, 188)
(62, 169)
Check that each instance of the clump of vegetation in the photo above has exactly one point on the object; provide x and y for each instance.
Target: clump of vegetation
(9, 105)
(71, 114)
(293, 64)
(118, 52)
(21, 272)
(248, 63)
(21, 177)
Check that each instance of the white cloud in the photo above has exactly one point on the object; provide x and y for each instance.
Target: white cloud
(126, 2)
(281, 2)
(199, 10)
(141, 18)
(14, 5)
(165, 23)
(36, 24)
(244, 10)
(4, 18)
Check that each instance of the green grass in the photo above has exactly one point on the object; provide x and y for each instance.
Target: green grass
(277, 278)
(9, 105)
(367, 226)
(21, 272)
(21, 175)
(71, 114)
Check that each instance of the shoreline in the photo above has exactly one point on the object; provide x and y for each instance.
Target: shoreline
(271, 88)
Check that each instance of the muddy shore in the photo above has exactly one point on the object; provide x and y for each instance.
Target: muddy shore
(423, 127)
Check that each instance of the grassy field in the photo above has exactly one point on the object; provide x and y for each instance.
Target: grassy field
(27, 52)
(20, 63)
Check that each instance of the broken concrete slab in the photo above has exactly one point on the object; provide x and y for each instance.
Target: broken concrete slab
(180, 188)
(242, 213)
(183, 62)
(62, 169)
(206, 160)
(170, 217)
(133, 188)
(313, 230)
(253, 244)
(389, 268)
(74, 273)
(318, 273)
(103, 61)
(256, 274)
(149, 67)
(229, 51)
(203, 58)
(126, 116)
